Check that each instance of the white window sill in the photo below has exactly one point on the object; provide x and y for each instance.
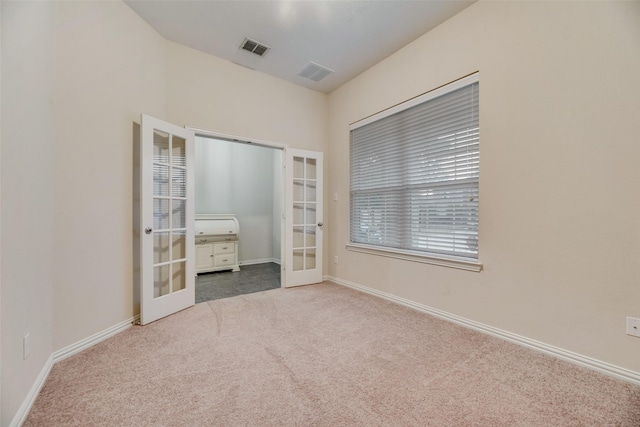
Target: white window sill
(445, 261)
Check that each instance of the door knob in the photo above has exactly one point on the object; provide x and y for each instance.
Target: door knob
(148, 230)
(320, 224)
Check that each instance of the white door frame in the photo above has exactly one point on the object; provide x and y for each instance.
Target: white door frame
(268, 144)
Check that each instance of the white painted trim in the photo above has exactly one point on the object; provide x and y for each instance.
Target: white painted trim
(21, 416)
(259, 261)
(442, 90)
(94, 339)
(60, 355)
(227, 137)
(566, 355)
(441, 260)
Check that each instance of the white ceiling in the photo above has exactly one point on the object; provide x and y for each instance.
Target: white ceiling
(347, 37)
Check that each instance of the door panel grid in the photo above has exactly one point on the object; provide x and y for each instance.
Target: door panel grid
(166, 218)
(304, 213)
(169, 201)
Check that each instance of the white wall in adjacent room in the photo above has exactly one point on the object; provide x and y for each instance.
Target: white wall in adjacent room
(236, 178)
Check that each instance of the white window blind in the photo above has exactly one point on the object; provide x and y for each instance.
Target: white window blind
(414, 174)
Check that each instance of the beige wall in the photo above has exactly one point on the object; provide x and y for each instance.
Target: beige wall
(109, 68)
(559, 175)
(210, 93)
(559, 234)
(26, 197)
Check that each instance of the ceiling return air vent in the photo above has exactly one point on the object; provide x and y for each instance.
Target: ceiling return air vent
(314, 72)
(254, 47)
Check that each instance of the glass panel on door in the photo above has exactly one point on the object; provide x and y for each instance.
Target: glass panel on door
(169, 213)
(160, 247)
(160, 281)
(304, 213)
(303, 218)
(178, 281)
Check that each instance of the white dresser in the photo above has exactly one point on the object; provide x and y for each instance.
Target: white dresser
(216, 242)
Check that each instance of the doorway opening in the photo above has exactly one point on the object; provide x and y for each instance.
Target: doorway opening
(245, 180)
(166, 221)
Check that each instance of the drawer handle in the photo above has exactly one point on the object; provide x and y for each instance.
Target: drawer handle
(226, 247)
(225, 260)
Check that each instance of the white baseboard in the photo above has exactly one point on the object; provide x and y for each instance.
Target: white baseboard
(60, 355)
(597, 365)
(259, 261)
(28, 402)
(93, 339)
(569, 356)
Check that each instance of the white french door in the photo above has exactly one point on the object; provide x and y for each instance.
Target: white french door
(167, 282)
(303, 217)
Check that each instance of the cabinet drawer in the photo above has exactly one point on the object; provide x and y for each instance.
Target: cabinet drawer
(224, 259)
(224, 248)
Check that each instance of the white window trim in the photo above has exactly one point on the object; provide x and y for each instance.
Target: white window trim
(425, 258)
(443, 90)
(468, 264)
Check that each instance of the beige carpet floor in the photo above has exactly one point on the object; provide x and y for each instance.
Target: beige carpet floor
(322, 355)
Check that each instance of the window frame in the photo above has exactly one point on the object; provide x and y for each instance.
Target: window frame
(434, 258)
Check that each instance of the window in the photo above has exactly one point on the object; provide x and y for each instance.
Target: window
(414, 176)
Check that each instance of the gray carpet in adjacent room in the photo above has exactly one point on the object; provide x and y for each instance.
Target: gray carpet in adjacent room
(225, 284)
(322, 355)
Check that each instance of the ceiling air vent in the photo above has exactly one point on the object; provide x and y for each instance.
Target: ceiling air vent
(315, 72)
(254, 47)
